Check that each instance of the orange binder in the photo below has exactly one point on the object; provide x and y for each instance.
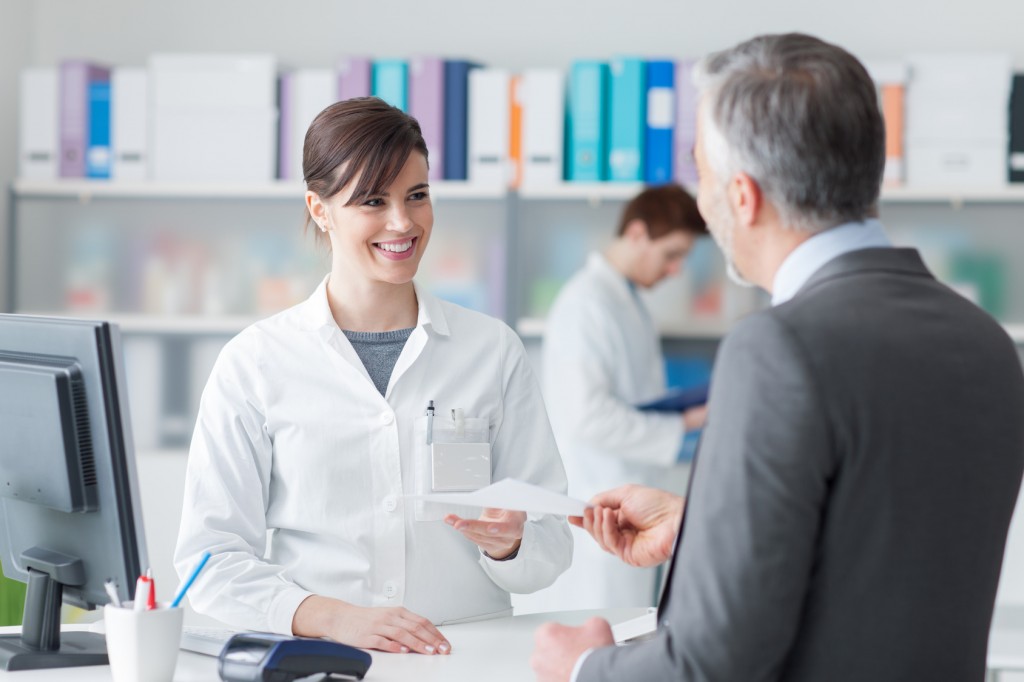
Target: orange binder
(894, 115)
(515, 138)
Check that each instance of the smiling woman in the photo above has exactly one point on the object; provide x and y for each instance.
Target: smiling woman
(311, 427)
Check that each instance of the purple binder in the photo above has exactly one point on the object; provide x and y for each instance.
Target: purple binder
(426, 105)
(686, 125)
(75, 77)
(353, 77)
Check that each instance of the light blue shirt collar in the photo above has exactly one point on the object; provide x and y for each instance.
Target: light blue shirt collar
(810, 256)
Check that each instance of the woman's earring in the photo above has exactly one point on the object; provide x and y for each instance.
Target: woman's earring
(323, 227)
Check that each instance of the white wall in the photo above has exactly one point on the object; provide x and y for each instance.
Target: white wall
(513, 34)
(15, 16)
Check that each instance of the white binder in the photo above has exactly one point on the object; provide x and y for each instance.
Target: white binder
(543, 96)
(129, 124)
(37, 138)
(489, 122)
(310, 92)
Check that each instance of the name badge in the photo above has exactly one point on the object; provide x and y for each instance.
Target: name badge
(460, 467)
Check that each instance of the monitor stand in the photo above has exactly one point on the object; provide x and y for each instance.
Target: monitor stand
(40, 644)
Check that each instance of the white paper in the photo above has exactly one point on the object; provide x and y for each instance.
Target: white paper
(512, 494)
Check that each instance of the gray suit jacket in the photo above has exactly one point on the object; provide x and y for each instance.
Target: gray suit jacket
(848, 513)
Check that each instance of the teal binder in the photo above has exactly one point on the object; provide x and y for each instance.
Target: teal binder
(391, 82)
(628, 119)
(586, 123)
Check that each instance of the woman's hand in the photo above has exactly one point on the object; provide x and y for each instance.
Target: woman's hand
(498, 532)
(393, 629)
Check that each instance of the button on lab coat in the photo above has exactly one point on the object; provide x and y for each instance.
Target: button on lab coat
(601, 356)
(298, 467)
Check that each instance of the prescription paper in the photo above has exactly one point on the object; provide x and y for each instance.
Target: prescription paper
(512, 494)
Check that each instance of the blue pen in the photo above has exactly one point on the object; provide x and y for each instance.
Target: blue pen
(191, 579)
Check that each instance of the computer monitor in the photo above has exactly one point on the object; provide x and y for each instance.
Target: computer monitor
(70, 518)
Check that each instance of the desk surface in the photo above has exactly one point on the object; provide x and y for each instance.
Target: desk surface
(494, 650)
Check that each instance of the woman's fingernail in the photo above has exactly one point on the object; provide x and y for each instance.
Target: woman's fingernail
(429, 649)
(444, 648)
(450, 522)
(405, 649)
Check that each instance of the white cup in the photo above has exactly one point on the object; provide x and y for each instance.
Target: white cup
(143, 645)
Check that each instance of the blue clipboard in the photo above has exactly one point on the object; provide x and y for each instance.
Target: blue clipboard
(678, 400)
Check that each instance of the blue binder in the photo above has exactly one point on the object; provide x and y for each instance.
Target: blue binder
(628, 120)
(456, 113)
(678, 400)
(97, 145)
(586, 123)
(391, 82)
(661, 120)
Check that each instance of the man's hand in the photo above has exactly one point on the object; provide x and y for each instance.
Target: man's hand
(499, 532)
(557, 647)
(637, 524)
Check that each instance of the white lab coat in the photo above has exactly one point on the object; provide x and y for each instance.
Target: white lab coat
(601, 357)
(298, 466)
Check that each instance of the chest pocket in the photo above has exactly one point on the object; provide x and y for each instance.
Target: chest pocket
(457, 459)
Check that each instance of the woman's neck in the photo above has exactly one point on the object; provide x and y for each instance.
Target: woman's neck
(372, 306)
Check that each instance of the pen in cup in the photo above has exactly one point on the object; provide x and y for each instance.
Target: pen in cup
(151, 597)
(111, 589)
(430, 422)
(191, 579)
(143, 588)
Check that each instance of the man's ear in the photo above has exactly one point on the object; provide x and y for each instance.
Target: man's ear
(636, 230)
(747, 199)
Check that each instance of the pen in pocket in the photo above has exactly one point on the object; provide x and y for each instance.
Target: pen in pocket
(430, 422)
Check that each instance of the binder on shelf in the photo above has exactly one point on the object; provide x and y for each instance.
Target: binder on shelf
(129, 124)
(627, 119)
(515, 131)
(354, 77)
(543, 133)
(1015, 159)
(587, 122)
(891, 79)
(488, 127)
(97, 148)
(38, 143)
(391, 82)
(957, 125)
(661, 118)
(686, 125)
(214, 117)
(426, 105)
(76, 78)
(303, 94)
(893, 114)
(456, 112)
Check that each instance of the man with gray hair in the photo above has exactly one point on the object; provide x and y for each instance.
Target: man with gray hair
(849, 504)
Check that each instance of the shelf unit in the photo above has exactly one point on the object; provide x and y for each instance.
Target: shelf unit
(527, 219)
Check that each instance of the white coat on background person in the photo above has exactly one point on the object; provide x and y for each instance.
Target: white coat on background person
(601, 357)
(312, 428)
